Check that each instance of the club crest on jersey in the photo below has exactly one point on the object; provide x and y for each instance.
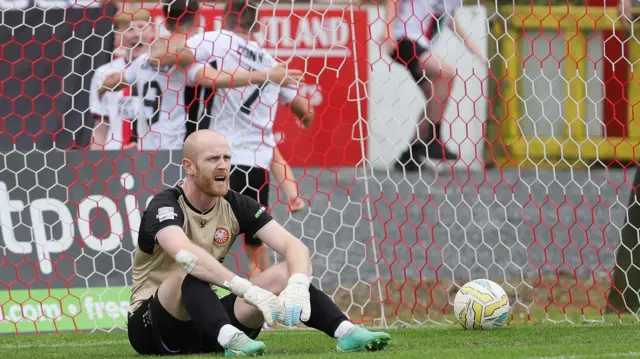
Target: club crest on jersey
(221, 236)
(166, 213)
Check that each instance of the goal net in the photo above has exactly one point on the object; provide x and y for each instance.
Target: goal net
(537, 200)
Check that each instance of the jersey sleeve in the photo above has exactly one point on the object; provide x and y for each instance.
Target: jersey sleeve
(163, 211)
(251, 215)
(202, 46)
(192, 74)
(221, 50)
(287, 94)
(97, 106)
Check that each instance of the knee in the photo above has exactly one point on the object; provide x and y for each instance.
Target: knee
(442, 73)
(280, 278)
(448, 72)
(274, 279)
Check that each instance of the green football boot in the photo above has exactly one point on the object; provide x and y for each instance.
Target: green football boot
(359, 339)
(241, 345)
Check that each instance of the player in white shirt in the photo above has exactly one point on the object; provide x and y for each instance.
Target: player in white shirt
(413, 25)
(114, 112)
(245, 115)
(168, 90)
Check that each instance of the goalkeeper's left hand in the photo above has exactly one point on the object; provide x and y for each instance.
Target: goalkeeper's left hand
(295, 305)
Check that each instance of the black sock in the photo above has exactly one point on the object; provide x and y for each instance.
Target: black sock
(418, 149)
(325, 314)
(204, 307)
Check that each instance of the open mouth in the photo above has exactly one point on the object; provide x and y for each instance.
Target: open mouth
(220, 178)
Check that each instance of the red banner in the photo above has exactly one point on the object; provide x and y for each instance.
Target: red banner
(615, 73)
(322, 42)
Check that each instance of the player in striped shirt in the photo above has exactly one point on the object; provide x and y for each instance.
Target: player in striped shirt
(115, 111)
(413, 24)
(168, 90)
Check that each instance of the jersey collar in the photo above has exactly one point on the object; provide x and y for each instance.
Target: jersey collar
(189, 204)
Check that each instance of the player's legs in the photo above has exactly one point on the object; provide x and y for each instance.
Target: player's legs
(408, 53)
(441, 77)
(286, 181)
(186, 316)
(253, 182)
(325, 314)
(421, 65)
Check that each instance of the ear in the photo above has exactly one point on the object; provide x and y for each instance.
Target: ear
(188, 166)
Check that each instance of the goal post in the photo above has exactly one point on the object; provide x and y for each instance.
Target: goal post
(625, 280)
(533, 203)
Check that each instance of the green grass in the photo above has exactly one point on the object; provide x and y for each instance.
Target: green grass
(549, 341)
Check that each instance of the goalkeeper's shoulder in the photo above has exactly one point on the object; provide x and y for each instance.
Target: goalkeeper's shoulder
(250, 215)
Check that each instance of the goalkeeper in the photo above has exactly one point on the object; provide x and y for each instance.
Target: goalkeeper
(245, 116)
(184, 236)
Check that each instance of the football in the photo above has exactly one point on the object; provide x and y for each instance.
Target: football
(481, 304)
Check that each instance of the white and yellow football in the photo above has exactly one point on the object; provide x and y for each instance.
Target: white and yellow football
(481, 304)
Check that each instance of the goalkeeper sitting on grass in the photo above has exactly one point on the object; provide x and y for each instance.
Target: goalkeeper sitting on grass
(184, 236)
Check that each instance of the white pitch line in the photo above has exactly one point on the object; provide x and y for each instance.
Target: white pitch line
(65, 345)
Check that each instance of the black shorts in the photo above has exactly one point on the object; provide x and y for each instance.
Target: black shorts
(252, 182)
(153, 331)
(408, 53)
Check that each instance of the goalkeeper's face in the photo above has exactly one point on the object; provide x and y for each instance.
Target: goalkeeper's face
(211, 173)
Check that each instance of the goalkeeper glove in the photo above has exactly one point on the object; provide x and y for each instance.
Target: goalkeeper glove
(260, 298)
(295, 305)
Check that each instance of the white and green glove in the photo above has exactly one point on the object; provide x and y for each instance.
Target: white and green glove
(295, 305)
(262, 299)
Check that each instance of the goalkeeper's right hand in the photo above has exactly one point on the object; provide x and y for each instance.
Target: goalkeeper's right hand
(260, 298)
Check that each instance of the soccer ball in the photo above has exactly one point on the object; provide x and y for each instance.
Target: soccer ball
(481, 304)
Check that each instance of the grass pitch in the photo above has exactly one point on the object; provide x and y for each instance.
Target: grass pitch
(550, 341)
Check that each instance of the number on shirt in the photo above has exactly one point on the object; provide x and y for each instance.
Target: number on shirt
(246, 106)
(207, 97)
(153, 103)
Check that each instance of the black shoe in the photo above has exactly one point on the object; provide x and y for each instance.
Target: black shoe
(409, 162)
(437, 151)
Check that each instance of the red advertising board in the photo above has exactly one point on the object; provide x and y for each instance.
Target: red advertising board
(334, 57)
(615, 73)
